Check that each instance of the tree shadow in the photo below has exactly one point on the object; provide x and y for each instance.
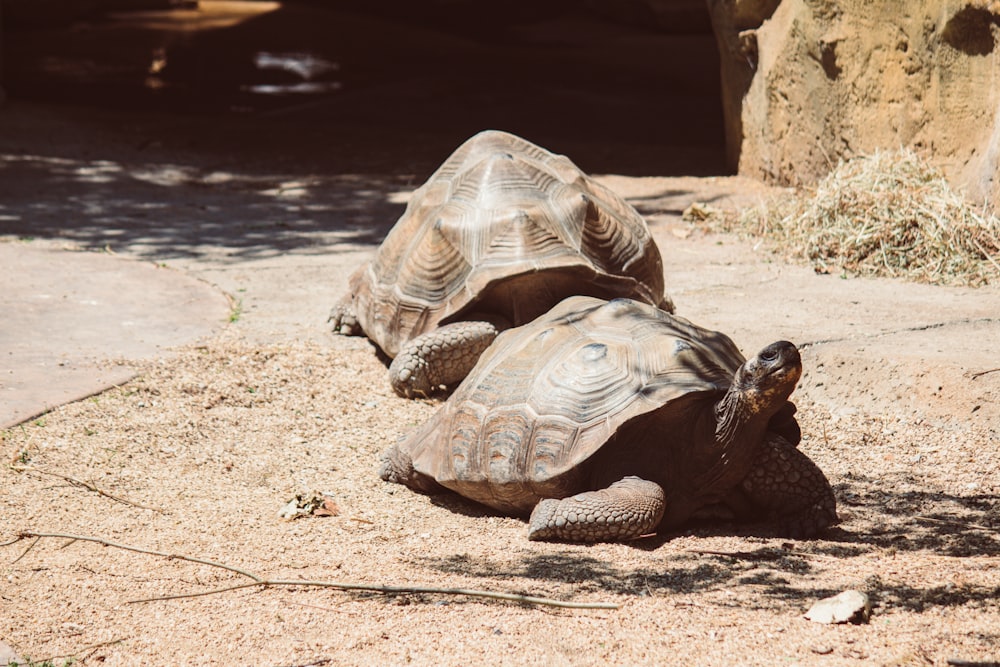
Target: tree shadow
(770, 570)
(781, 573)
(915, 599)
(918, 520)
(164, 210)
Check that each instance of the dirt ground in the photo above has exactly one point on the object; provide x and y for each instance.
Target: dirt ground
(197, 456)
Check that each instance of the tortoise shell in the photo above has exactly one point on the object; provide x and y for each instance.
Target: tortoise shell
(546, 397)
(505, 228)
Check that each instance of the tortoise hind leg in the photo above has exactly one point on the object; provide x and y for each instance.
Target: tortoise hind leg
(397, 467)
(791, 489)
(440, 358)
(343, 320)
(629, 508)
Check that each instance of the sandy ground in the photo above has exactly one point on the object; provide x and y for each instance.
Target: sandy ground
(212, 442)
(196, 457)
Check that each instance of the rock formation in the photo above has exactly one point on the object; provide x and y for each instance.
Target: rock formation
(807, 82)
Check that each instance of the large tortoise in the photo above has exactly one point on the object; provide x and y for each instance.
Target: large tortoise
(500, 233)
(608, 420)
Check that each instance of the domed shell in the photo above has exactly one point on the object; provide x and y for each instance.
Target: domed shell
(505, 227)
(546, 396)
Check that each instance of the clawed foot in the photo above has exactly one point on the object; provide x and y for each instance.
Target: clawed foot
(440, 358)
(627, 509)
(344, 321)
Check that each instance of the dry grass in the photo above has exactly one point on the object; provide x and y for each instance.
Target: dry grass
(888, 214)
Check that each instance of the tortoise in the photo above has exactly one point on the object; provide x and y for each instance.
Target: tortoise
(500, 233)
(606, 420)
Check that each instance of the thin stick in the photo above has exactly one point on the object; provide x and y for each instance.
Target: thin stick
(141, 550)
(389, 590)
(262, 582)
(315, 663)
(86, 485)
(954, 522)
(322, 608)
(991, 370)
(25, 552)
(752, 555)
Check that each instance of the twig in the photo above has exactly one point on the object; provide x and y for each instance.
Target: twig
(262, 582)
(315, 663)
(25, 552)
(953, 522)
(86, 485)
(985, 254)
(745, 555)
(977, 374)
(755, 555)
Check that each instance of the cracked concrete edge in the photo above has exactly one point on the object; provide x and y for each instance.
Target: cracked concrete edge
(77, 322)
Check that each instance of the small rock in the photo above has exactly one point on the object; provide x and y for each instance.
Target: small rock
(847, 607)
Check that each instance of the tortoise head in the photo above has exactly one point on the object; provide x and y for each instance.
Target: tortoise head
(760, 388)
(765, 381)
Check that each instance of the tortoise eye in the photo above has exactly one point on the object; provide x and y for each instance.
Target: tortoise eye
(769, 354)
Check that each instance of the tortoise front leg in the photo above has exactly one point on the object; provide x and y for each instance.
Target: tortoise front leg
(439, 358)
(627, 509)
(790, 489)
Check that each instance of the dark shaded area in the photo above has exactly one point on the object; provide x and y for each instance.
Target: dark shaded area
(736, 25)
(932, 521)
(260, 128)
(970, 31)
(828, 54)
(616, 94)
(687, 572)
(119, 203)
(880, 519)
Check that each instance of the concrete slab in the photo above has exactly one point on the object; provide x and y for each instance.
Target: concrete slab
(283, 244)
(74, 322)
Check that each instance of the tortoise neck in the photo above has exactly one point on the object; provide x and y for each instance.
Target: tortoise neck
(740, 427)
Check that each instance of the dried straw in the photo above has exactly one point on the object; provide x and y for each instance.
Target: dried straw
(887, 214)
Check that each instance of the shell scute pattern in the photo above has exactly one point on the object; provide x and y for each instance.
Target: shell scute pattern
(545, 397)
(585, 381)
(552, 443)
(498, 209)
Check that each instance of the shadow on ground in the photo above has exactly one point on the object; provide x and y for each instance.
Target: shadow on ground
(232, 214)
(878, 522)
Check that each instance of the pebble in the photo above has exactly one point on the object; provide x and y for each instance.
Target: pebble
(847, 607)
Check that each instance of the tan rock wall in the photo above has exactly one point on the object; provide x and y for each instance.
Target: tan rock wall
(806, 82)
